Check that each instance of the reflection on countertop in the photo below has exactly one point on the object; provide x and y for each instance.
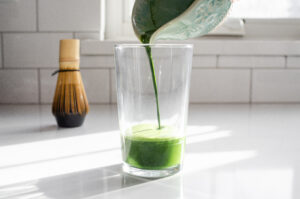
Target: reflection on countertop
(233, 151)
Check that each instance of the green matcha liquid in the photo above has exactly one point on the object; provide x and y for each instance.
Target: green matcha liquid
(152, 147)
(147, 147)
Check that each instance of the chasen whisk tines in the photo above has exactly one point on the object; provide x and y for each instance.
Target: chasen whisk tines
(70, 103)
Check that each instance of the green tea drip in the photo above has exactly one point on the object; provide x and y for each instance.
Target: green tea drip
(145, 39)
(148, 50)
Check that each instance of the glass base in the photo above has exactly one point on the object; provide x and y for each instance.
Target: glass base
(150, 173)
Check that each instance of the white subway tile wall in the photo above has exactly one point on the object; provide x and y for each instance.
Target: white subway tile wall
(218, 85)
(1, 51)
(34, 50)
(96, 83)
(224, 71)
(293, 62)
(105, 61)
(18, 16)
(247, 47)
(87, 35)
(215, 78)
(212, 47)
(47, 85)
(252, 61)
(113, 86)
(19, 86)
(205, 61)
(69, 15)
(276, 86)
(97, 48)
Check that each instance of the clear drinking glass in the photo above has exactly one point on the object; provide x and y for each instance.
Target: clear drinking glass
(153, 126)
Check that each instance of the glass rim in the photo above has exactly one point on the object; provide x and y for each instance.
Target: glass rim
(154, 45)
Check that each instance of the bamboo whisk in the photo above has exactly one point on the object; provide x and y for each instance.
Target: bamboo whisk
(70, 103)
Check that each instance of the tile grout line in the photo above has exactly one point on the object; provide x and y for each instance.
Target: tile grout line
(251, 86)
(285, 61)
(39, 86)
(2, 50)
(217, 61)
(37, 15)
(110, 86)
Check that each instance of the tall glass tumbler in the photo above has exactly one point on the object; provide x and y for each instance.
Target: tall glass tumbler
(153, 93)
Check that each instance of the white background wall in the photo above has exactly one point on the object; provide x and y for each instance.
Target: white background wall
(224, 71)
(30, 31)
(227, 71)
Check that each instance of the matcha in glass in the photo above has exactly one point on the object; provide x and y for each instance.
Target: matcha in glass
(153, 83)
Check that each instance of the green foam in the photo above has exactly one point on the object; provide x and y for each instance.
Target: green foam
(146, 147)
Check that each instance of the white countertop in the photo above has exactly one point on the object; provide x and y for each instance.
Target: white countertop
(233, 152)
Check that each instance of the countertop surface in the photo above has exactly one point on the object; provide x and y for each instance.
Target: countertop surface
(232, 152)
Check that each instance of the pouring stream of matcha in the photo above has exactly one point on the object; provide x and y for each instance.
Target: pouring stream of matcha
(155, 20)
